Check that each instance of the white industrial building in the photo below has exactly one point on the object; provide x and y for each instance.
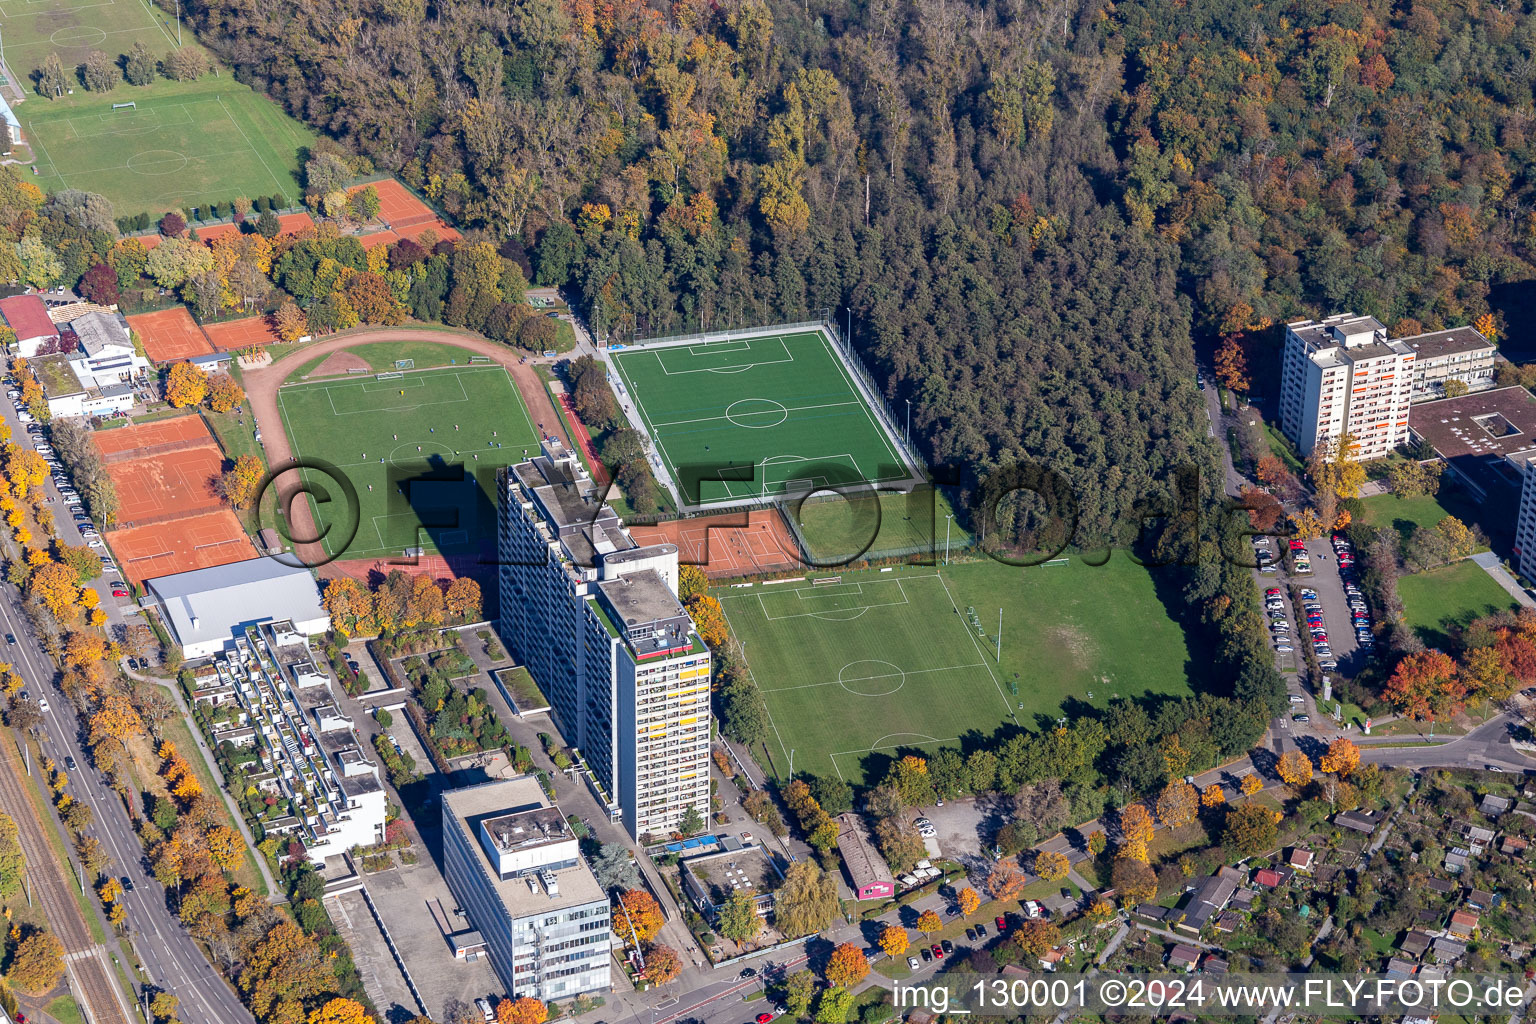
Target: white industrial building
(515, 866)
(206, 609)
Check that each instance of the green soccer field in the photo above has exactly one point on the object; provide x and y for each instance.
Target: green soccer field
(446, 436)
(857, 672)
(780, 407)
(183, 143)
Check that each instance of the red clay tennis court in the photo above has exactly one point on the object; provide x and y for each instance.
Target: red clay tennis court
(167, 485)
(194, 542)
(378, 238)
(728, 544)
(397, 207)
(287, 224)
(239, 334)
(170, 334)
(159, 435)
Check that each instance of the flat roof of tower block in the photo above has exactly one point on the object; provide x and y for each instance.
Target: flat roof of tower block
(1487, 423)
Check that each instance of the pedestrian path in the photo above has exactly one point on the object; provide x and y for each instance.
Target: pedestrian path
(1493, 567)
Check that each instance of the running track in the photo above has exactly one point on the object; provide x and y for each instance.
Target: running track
(261, 391)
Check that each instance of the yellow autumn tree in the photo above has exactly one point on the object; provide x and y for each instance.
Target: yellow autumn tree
(185, 385)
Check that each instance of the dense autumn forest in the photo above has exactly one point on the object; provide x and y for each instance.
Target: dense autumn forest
(1029, 208)
(1032, 212)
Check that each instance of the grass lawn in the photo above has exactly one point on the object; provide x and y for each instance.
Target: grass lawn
(184, 144)
(763, 415)
(859, 672)
(1437, 602)
(420, 452)
(180, 734)
(236, 434)
(1403, 514)
(65, 1010)
(1281, 448)
(871, 525)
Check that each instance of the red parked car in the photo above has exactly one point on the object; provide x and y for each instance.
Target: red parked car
(1002, 925)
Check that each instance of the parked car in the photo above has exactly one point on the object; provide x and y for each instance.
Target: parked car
(947, 946)
(1002, 925)
(912, 963)
(981, 931)
(938, 954)
(927, 956)
(1301, 718)
(970, 935)
(1297, 698)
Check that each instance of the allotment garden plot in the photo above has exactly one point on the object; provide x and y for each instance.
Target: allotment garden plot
(420, 449)
(872, 664)
(783, 410)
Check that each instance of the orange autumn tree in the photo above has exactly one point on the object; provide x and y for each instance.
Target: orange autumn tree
(1251, 784)
(1426, 686)
(1213, 795)
(1295, 768)
(928, 922)
(662, 965)
(224, 393)
(340, 1011)
(526, 1010)
(1342, 759)
(894, 940)
(847, 966)
(969, 901)
(638, 918)
(1005, 882)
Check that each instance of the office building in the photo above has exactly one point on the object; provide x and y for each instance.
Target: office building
(514, 865)
(595, 618)
(1342, 376)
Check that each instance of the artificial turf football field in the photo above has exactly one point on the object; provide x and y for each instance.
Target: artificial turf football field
(420, 450)
(881, 663)
(783, 407)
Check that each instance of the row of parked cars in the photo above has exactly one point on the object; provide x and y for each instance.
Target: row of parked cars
(1359, 613)
(67, 493)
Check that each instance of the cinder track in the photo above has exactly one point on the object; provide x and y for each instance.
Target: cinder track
(86, 967)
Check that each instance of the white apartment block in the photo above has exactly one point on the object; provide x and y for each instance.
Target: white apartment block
(308, 752)
(1460, 353)
(595, 618)
(1341, 375)
(1524, 463)
(514, 865)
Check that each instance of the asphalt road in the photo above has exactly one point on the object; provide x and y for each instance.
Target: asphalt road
(171, 959)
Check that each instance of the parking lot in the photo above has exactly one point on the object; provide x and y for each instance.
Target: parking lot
(1336, 614)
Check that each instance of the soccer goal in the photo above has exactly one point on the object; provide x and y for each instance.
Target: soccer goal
(130, 105)
(479, 359)
(405, 364)
(389, 376)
